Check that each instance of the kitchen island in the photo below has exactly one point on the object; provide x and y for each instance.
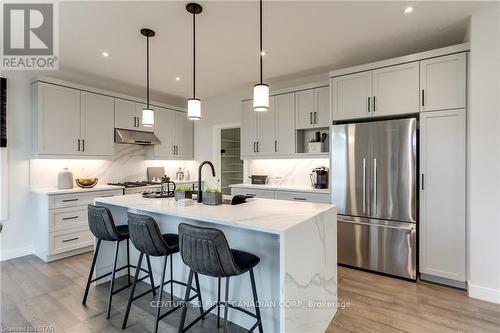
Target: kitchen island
(296, 242)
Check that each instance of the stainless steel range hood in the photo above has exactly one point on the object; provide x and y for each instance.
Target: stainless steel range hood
(136, 137)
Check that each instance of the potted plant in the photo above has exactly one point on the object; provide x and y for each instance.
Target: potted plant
(212, 196)
(183, 192)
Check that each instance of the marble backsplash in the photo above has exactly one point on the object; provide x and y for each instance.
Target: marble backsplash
(291, 171)
(128, 164)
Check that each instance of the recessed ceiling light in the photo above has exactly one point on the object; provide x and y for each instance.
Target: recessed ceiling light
(263, 53)
(105, 54)
(408, 10)
(177, 78)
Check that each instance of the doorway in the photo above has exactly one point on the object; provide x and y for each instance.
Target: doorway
(229, 157)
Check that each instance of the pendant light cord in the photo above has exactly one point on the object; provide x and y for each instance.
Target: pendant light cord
(260, 41)
(194, 55)
(147, 72)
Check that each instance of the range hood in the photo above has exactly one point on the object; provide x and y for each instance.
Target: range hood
(136, 137)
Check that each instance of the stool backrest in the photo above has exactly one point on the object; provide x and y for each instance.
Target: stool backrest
(146, 235)
(101, 223)
(206, 251)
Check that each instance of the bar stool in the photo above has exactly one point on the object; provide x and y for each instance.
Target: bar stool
(148, 240)
(206, 251)
(103, 228)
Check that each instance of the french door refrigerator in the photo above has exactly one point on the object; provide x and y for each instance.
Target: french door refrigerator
(374, 176)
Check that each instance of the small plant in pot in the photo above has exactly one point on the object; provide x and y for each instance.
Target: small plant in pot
(212, 196)
(183, 192)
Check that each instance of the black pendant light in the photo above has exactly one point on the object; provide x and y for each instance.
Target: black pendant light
(260, 90)
(148, 115)
(194, 104)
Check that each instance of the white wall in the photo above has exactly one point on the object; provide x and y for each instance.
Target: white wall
(484, 156)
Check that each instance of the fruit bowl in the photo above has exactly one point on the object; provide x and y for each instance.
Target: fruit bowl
(86, 182)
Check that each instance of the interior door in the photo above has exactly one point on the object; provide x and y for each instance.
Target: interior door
(285, 124)
(396, 90)
(350, 145)
(393, 170)
(248, 129)
(351, 96)
(59, 120)
(97, 112)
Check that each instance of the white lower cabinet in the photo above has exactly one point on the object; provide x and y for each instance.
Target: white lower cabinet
(266, 194)
(62, 229)
(282, 194)
(442, 197)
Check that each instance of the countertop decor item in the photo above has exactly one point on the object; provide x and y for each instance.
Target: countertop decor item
(64, 179)
(86, 182)
(183, 192)
(212, 196)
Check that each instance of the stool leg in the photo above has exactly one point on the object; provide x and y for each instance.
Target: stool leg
(256, 301)
(131, 296)
(197, 281)
(160, 292)
(218, 303)
(171, 278)
(110, 296)
(185, 303)
(128, 261)
(151, 276)
(226, 308)
(85, 295)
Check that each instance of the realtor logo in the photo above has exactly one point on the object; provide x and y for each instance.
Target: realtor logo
(29, 36)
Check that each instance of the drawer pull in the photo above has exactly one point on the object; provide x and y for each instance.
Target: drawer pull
(251, 194)
(107, 196)
(69, 200)
(69, 218)
(70, 240)
(302, 199)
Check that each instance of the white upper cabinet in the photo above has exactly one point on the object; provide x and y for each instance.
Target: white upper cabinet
(183, 135)
(322, 107)
(266, 130)
(284, 106)
(304, 103)
(442, 194)
(126, 114)
(97, 124)
(58, 113)
(351, 96)
(248, 129)
(176, 134)
(164, 120)
(396, 90)
(443, 83)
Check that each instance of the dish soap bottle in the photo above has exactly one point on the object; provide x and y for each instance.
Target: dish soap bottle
(188, 176)
(180, 174)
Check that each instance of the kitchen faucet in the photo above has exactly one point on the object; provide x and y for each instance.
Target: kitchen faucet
(199, 178)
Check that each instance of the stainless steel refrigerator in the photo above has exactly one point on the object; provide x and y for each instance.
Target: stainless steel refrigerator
(373, 184)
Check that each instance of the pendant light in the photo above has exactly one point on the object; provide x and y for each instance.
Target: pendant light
(193, 103)
(261, 90)
(148, 115)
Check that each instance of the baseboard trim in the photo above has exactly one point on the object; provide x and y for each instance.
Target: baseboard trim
(15, 253)
(444, 281)
(483, 293)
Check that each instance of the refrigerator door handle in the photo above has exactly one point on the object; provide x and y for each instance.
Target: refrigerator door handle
(408, 228)
(364, 185)
(375, 184)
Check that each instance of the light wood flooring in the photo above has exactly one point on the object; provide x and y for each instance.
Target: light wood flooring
(35, 294)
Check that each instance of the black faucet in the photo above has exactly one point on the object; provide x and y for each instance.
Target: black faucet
(200, 199)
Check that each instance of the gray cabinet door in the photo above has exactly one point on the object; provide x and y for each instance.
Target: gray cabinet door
(285, 124)
(248, 129)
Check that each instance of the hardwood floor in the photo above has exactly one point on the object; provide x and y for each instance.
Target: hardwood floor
(35, 294)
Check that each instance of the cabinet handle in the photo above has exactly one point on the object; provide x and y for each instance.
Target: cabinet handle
(315, 117)
(70, 240)
(173, 150)
(257, 146)
(422, 182)
(69, 218)
(69, 200)
(178, 150)
(275, 146)
(83, 145)
(374, 104)
(423, 97)
(310, 118)
(368, 104)
(78, 144)
(251, 194)
(135, 122)
(301, 199)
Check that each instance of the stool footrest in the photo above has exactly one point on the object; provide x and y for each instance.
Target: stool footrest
(117, 270)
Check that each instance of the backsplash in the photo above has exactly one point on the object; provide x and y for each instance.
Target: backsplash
(291, 171)
(128, 164)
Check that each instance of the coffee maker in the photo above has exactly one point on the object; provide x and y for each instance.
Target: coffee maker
(319, 177)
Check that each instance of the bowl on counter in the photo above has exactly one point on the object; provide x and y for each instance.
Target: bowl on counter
(86, 182)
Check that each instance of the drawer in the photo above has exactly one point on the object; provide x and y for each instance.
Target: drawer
(67, 218)
(79, 199)
(302, 196)
(68, 240)
(258, 193)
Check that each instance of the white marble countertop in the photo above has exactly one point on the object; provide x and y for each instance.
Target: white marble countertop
(53, 190)
(291, 188)
(264, 215)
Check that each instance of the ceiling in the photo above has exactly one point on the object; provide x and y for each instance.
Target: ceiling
(300, 38)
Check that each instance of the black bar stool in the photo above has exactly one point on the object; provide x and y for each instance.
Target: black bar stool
(206, 251)
(103, 228)
(147, 239)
